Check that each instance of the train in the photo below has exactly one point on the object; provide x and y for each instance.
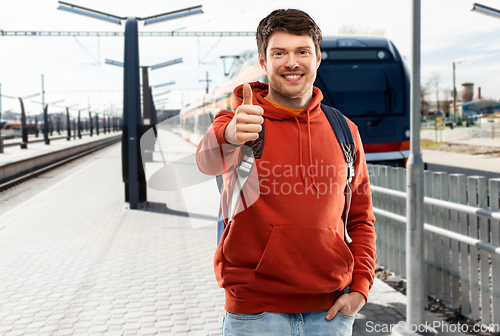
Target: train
(12, 128)
(364, 77)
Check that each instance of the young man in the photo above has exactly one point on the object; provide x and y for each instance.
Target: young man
(286, 259)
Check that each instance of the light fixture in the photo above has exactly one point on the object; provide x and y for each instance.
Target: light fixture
(90, 12)
(486, 10)
(172, 15)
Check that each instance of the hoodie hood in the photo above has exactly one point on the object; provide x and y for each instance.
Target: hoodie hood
(260, 91)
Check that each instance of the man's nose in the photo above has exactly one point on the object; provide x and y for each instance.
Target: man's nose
(292, 62)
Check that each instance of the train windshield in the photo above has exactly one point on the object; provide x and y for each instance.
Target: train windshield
(363, 88)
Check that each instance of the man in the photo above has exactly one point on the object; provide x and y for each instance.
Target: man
(284, 261)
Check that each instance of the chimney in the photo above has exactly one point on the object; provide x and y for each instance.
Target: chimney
(478, 93)
(467, 92)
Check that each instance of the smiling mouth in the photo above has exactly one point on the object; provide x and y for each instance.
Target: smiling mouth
(292, 77)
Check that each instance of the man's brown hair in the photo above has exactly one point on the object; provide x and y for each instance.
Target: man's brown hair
(292, 21)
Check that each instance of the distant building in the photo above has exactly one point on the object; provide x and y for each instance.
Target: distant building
(441, 109)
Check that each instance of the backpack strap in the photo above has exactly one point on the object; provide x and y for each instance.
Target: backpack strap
(344, 136)
(250, 153)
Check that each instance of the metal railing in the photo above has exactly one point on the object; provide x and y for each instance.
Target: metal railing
(462, 237)
(465, 120)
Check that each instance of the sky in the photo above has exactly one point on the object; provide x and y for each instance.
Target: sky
(74, 69)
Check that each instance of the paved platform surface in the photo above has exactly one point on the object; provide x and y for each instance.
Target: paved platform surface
(15, 153)
(75, 261)
(479, 142)
(476, 162)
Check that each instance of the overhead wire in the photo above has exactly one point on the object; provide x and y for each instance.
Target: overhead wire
(86, 50)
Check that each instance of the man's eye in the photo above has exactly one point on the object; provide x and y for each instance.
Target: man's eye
(304, 52)
(278, 53)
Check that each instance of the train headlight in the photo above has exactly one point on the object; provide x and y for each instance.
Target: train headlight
(407, 133)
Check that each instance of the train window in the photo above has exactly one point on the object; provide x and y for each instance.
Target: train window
(347, 55)
(350, 43)
(363, 88)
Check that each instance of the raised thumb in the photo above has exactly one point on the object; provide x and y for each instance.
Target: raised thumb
(247, 94)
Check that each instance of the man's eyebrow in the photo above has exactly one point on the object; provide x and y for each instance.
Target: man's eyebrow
(303, 47)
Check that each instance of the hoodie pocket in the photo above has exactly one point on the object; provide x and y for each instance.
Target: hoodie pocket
(303, 259)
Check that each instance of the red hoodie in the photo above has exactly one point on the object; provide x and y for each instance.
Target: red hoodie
(286, 252)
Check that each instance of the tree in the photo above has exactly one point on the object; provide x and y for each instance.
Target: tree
(424, 103)
(445, 105)
(350, 29)
(433, 84)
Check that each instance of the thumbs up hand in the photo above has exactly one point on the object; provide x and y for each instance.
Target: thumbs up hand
(247, 120)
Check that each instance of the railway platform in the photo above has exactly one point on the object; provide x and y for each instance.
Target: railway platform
(75, 261)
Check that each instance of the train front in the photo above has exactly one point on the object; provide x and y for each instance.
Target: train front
(366, 79)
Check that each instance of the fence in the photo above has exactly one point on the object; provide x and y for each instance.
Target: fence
(462, 237)
(430, 122)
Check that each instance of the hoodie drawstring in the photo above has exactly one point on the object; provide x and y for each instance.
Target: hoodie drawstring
(310, 151)
(300, 153)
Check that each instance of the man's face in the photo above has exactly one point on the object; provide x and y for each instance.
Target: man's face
(291, 64)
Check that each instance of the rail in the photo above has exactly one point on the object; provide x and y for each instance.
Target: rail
(444, 204)
(462, 237)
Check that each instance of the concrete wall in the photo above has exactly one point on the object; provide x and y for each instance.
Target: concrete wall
(460, 133)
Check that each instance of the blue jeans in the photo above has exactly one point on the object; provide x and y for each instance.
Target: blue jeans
(293, 324)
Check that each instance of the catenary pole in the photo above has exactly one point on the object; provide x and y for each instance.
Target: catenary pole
(415, 183)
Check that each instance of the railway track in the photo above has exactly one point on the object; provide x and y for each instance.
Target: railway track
(28, 175)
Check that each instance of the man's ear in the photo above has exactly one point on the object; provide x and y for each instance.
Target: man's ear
(318, 61)
(262, 62)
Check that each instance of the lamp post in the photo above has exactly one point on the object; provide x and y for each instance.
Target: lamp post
(154, 116)
(135, 185)
(46, 125)
(95, 121)
(415, 189)
(91, 124)
(46, 116)
(24, 129)
(79, 124)
(149, 118)
(104, 125)
(68, 123)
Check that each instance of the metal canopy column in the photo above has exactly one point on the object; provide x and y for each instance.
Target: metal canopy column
(131, 114)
